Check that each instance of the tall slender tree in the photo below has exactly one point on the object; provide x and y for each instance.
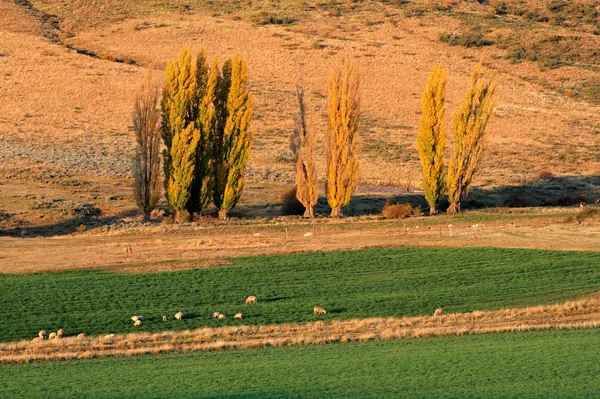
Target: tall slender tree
(343, 151)
(306, 176)
(205, 121)
(470, 123)
(146, 162)
(179, 131)
(431, 139)
(234, 141)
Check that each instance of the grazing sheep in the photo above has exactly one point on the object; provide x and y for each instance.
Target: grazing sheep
(60, 333)
(438, 312)
(110, 336)
(164, 318)
(52, 336)
(221, 316)
(179, 315)
(216, 314)
(81, 336)
(319, 310)
(137, 323)
(309, 234)
(238, 316)
(251, 299)
(42, 334)
(136, 318)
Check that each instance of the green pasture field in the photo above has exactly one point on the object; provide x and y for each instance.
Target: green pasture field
(548, 364)
(349, 284)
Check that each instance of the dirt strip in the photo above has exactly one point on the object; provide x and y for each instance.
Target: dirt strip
(578, 314)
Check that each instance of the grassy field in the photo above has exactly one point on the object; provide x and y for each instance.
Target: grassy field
(525, 365)
(351, 284)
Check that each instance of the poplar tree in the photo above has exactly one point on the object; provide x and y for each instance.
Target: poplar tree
(205, 121)
(146, 163)
(179, 131)
(233, 140)
(342, 132)
(470, 123)
(431, 139)
(306, 176)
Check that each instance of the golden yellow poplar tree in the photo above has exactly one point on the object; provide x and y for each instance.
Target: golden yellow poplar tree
(234, 141)
(431, 139)
(306, 175)
(470, 123)
(342, 150)
(179, 132)
(205, 119)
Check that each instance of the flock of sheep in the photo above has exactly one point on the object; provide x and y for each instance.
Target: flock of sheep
(137, 320)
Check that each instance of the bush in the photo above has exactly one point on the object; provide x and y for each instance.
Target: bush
(570, 200)
(545, 175)
(516, 201)
(397, 211)
(588, 213)
(472, 38)
(290, 204)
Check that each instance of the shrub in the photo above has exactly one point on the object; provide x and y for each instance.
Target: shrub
(545, 175)
(588, 213)
(397, 211)
(516, 201)
(290, 204)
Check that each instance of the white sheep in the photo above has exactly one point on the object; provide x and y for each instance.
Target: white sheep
(164, 318)
(179, 315)
(319, 310)
(251, 299)
(136, 318)
(438, 312)
(52, 336)
(137, 323)
(109, 336)
(238, 316)
(216, 314)
(221, 316)
(309, 234)
(42, 334)
(60, 333)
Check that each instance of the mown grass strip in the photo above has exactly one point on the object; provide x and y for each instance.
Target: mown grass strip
(350, 285)
(552, 364)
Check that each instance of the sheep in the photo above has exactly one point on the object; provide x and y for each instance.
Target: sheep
(216, 314)
(164, 318)
(42, 334)
(309, 234)
(438, 312)
(136, 318)
(81, 336)
(52, 336)
(110, 336)
(221, 316)
(179, 315)
(238, 316)
(319, 310)
(60, 333)
(251, 299)
(137, 323)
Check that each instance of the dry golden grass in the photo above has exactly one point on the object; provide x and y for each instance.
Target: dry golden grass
(583, 313)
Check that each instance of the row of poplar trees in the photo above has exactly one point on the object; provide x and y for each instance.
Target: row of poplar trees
(204, 122)
(469, 127)
(342, 144)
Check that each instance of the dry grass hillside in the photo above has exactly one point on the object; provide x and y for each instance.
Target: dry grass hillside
(68, 71)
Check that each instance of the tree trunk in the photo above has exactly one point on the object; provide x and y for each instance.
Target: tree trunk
(309, 212)
(433, 210)
(180, 216)
(223, 214)
(454, 208)
(336, 212)
(146, 217)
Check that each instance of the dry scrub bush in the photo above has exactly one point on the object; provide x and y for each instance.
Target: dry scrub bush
(397, 211)
(545, 175)
(290, 203)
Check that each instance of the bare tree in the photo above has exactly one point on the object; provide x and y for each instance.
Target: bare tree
(146, 117)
